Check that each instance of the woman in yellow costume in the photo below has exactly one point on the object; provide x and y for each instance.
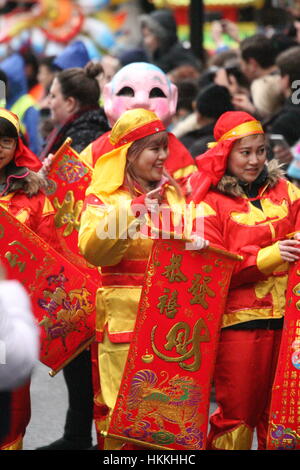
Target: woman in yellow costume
(128, 184)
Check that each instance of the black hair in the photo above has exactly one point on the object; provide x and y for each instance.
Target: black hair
(260, 48)
(7, 129)
(81, 84)
(288, 63)
(214, 100)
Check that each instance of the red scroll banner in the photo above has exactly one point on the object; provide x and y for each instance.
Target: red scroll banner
(164, 396)
(284, 425)
(62, 298)
(68, 180)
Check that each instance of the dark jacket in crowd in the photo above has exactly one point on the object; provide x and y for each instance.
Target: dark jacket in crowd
(170, 53)
(83, 128)
(196, 141)
(286, 122)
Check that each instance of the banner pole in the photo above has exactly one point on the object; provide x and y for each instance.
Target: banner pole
(84, 346)
(129, 440)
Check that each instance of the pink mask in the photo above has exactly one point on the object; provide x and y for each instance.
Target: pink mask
(140, 85)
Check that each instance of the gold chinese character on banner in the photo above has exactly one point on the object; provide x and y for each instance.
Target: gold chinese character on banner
(14, 258)
(173, 272)
(168, 304)
(178, 338)
(200, 289)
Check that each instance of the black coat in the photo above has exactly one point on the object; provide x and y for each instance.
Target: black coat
(286, 122)
(5, 398)
(196, 141)
(83, 128)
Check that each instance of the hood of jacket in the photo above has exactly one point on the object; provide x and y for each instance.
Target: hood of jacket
(163, 25)
(231, 186)
(14, 68)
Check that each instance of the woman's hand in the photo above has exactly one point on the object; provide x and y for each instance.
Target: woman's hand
(197, 243)
(297, 236)
(153, 199)
(47, 163)
(290, 249)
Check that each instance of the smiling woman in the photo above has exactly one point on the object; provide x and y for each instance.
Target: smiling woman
(249, 209)
(247, 158)
(128, 184)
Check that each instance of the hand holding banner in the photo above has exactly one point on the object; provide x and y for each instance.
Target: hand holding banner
(163, 400)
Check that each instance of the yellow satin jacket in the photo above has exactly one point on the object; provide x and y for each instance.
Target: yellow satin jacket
(114, 237)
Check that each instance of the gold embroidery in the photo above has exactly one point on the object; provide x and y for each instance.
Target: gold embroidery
(177, 338)
(68, 213)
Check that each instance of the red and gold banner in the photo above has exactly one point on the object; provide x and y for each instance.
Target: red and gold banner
(63, 299)
(68, 180)
(284, 425)
(164, 396)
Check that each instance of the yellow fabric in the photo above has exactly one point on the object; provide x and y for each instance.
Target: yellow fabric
(242, 130)
(130, 121)
(48, 208)
(269, 258)
(109, 171)
(183, 172)
(117, 307)
(96, 220)
(293, 192)
(87, 155)
(276, 286)
(20, 107)
(111, 359)
(12, 119)
(254, 215)
(239, 438)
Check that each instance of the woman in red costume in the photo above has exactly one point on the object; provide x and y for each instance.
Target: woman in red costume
(22, 196)
(249, 208)
(128, 184)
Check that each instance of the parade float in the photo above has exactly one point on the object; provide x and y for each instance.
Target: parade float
(47, 26)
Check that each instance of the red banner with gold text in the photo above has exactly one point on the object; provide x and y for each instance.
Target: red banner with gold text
(63, 299)
(164, 396)
(68, 180)
(284, 424)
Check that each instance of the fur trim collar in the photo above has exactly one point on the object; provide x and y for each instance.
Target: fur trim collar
(230, 186)
(30, 184)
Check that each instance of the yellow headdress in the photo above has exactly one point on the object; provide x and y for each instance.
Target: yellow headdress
(109, 170)
(11, 117)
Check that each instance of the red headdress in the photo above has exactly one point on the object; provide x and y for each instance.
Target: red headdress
(231, 126)
(23, 155)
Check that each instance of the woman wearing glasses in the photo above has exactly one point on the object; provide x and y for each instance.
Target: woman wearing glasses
(21, 195)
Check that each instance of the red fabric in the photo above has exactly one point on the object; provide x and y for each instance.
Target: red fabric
(212, 164)
(244, 374)
(224, 230)
(20, 414)
(25, 157)
(179, 157)
(40, 223)
(140, 132)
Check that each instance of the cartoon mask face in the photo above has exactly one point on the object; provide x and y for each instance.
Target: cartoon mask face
(140, 85)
